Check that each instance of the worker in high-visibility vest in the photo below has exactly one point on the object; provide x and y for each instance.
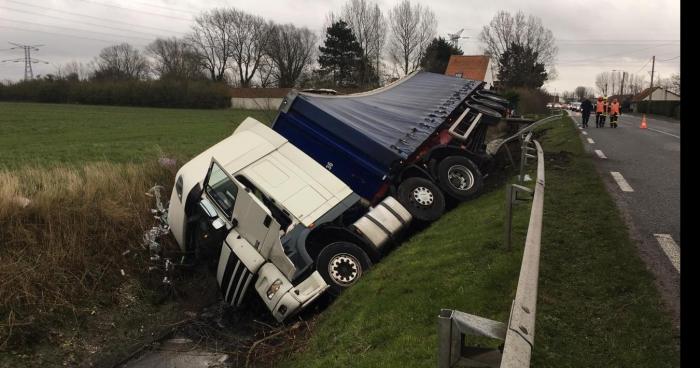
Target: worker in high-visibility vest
(600, 113)
(614, 112)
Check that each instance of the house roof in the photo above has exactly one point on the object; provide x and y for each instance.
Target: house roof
(621, 98)
(471, 66)
(645, 93)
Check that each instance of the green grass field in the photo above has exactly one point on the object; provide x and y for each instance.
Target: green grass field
(47, 134)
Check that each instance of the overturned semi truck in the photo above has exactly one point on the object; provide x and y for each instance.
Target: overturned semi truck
(307, 206)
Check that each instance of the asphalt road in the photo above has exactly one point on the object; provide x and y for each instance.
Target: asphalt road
(649, 160)
(647, 188)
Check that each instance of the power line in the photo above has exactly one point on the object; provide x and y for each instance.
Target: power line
(640, 69)
(135, 10)
(676, 57)
(28, 60)
(188, 12)
(611, 41)
(616, 54)
(64, 35)
(76, 29)
(92, 17)
(83, 22)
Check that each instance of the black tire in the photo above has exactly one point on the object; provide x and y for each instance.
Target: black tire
(422, 198)
(459, 177)
(341, 265)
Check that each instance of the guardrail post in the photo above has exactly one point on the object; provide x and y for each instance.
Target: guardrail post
(519, 334)
(511, 198)
(454, 326)
(449, 340)
(524, 155)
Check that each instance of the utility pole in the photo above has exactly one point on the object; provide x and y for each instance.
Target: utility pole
(651, 84)
(27, 59)
(622, 85)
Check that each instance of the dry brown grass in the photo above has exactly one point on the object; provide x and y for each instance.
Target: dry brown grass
(63, 232)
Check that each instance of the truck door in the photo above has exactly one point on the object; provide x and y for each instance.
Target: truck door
(250, 226)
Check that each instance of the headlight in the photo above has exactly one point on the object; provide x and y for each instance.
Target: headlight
(273, 288)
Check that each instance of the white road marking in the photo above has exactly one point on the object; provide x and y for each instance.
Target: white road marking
(662, 132)
(671, 249)
(624, 186)
(600, 153)
(590, 141)
(585, 133)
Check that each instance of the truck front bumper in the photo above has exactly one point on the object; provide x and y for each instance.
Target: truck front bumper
(281, 297)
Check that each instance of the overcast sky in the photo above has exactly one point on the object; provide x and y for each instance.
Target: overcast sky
(592, 36)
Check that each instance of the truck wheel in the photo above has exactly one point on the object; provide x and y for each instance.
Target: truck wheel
(459, 177)
(422, 198)
(341, 264)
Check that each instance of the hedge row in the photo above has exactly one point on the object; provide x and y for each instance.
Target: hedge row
(155, 93)
(665, 108)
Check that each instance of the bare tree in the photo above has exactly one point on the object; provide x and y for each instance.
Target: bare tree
(248, 41)
(292, 51)
(635, 84)
(266, 77)
(369, 27)
(75, 70)
(121, 61)
(676, 83)
(580, 92)
(527, 32)
(174, 58)
(602, 82)
(412, 29)
(210, 38)
(672, 83)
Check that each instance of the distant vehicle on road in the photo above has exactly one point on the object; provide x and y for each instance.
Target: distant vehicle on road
(575, 106)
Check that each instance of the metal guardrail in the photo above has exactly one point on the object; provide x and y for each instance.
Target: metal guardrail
(519, 335)
(521, 134)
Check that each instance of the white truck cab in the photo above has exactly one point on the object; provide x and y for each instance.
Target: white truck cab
(269, 213)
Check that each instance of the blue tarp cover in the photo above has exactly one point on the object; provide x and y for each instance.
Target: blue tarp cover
(378, 127)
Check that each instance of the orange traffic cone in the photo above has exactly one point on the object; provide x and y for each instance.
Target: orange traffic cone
(644, 122)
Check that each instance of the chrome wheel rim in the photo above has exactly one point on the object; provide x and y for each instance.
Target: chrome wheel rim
(460, 177)
(344, 269)
(423, 196)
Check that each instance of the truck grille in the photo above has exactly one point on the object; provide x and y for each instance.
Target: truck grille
(235, 280)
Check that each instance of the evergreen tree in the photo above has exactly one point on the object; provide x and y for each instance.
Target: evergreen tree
(518, 67)
(437, 55)
(341, 56)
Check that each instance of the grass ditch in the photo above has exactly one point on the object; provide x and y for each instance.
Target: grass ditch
(597, 303)
(67, 234)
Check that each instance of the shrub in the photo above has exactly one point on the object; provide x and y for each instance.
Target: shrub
(527, 100)
(154, 93)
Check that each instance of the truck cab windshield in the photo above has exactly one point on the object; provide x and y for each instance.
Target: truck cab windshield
(221, 189)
